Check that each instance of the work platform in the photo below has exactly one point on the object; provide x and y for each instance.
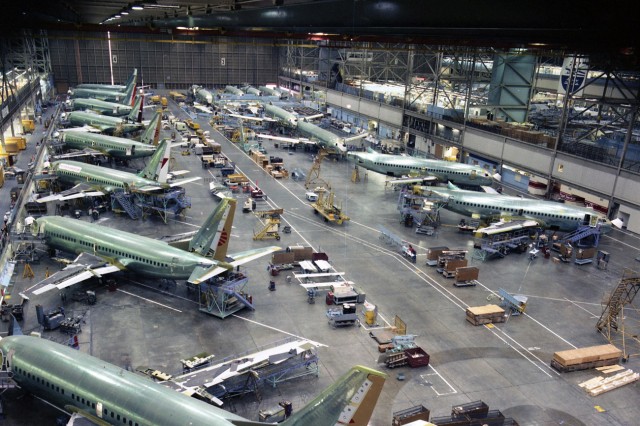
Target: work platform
(245, 372)
(502, 238)
(223, 296)
(140, 204)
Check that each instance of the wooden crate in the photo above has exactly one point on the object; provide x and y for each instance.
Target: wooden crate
(587, 355)
(488, 314)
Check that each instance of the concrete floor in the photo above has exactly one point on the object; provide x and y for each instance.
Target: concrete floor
(507, 366)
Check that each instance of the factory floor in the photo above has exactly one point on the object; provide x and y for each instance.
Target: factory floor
(151, 324)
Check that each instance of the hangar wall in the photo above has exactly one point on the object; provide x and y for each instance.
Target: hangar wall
(162, 60)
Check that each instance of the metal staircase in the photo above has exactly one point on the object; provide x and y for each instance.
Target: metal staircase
(611, 321)
(583, 231)
(124, 200)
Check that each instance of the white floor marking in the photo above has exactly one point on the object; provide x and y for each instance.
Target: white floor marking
(149, 300)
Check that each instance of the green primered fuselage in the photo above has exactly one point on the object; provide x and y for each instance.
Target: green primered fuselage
(111, 145)
(143, 255)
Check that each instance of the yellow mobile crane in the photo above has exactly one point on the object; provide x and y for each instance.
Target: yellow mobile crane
(270, 220)
(328, 209)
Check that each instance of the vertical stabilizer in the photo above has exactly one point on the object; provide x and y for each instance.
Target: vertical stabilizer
(151, 134)
(133, 115)
(129, 95)
(349, 401)
(452, 186)
(158, 166)
(132, 78)
(215, 232)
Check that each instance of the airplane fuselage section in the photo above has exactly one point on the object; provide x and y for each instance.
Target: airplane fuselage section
(553, 215)
(79, 118)
(73, 172)
(145, 256)
(113, 146)
(67, 377)
(397, 166)
(106, 108)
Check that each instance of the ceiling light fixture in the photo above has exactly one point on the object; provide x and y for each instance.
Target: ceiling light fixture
(137, 6)
(124, 12)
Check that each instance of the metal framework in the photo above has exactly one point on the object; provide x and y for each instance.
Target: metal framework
(617, 323)
(222, 297)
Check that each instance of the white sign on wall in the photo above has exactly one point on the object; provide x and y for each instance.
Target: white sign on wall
(223, 62)
(115, 59)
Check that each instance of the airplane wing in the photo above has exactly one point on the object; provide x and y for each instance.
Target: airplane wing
(79, 191)
(82, 268)
(283, 139)
(84, 128)
(81, 417)
(183, 181)
(87, 152)
(405, 181)
(247, 117)
(489, 190)
(201, 274)
(177, 173)
(247, 256)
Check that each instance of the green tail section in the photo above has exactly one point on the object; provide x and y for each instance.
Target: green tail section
(152, 132)
(215, 232)
(133, 115)
(452, 186)
(349, 401)
(158, 166)
(132, 78)
(129, 94)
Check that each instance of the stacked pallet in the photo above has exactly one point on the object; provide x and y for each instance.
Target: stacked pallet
(599, 385)
(585, 358)
(479, 315)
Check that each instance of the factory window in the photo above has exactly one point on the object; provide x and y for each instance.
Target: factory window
(112, 416)
(124, 420)
(118, 417)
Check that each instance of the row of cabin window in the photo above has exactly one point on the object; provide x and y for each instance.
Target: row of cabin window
(435, 171)
(103, 181)
(64, 237)
(77, 398)
(557, 216)
(123, 254)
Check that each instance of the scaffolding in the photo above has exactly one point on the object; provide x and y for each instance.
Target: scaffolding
(141, 204)
(421, 210)
(270, 220)
(503, 238)
(617, 323)
(224, 296)
(313, 178)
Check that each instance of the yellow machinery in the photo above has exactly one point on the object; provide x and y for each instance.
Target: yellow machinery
(355, 175)
(328, 209)
(313, 177)
(28, 126)
(177, 96)
(192, 124)
(270, 220)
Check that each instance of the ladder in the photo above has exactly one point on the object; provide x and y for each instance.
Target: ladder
(271, 224)
(125, 201)
(314, 174)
